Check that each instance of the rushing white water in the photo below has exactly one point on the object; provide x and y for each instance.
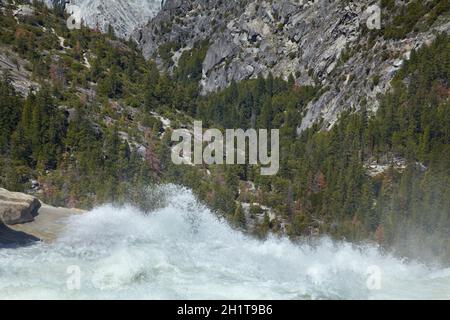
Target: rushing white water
(184, 252)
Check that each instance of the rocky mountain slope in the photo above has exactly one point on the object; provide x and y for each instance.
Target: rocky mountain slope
(324, 42)
(125, 16)
(318, 42)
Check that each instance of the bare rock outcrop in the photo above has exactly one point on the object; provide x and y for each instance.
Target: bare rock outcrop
(124, 16)
(323, 43)
(25, 220)
(15, 67)
(16, 208)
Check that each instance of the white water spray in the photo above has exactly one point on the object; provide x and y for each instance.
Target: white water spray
(184, 252)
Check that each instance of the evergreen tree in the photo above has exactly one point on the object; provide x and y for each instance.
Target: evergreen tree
(239, 219)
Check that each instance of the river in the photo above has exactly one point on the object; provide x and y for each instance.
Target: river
(183, 251)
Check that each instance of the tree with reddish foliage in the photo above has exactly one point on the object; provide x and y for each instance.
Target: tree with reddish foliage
(379, 235)
(151, 157)
(56, 73)
(318, 183)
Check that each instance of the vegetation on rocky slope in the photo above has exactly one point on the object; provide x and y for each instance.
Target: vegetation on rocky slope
(325, 182)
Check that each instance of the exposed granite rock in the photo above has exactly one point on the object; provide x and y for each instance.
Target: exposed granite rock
(15, 67)
(17, 207)
(218, 52)
(125, 16)
(24, 10)
(24, 220)
(49, 224)
(307, 39)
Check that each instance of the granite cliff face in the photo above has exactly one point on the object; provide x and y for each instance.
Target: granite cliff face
(125, 16)
(322, 42)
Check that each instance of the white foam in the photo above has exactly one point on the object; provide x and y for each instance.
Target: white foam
(184, 251)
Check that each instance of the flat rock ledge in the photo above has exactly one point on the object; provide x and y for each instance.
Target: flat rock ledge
(25, 220)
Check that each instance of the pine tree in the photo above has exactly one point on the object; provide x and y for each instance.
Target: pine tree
(239, 219)
(10, 108)
(264, 227)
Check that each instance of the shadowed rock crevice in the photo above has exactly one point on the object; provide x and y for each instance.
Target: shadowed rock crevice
(10, 238)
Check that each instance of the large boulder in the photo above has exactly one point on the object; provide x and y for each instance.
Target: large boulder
(16, 208)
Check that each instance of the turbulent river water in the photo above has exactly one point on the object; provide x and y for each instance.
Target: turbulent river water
(183, 251)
